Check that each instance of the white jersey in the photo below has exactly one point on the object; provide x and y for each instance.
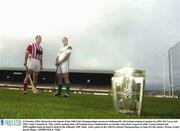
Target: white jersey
(64, 67)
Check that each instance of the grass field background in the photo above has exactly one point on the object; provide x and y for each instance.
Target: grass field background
(45, 106)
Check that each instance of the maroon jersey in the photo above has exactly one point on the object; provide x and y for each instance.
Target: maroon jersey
(35, 51)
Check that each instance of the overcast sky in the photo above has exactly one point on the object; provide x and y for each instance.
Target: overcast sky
(104, 34)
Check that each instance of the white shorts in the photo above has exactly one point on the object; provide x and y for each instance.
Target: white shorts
(34, 65)
(63, 68)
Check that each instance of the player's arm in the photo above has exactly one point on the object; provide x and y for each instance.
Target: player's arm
(68, 53)
(57, 63)
(41, 62)
(65, 57)
(26, 58)
(27, 52)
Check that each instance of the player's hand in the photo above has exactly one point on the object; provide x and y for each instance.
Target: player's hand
(60, 62)
(56, 64)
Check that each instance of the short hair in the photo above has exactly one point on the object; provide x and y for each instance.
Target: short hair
(37, 36)
(65, 38)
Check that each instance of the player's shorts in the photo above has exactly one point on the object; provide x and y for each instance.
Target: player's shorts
(34, 65)
(63, 68)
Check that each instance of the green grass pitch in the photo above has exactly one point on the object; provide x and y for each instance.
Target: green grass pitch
(45, 106)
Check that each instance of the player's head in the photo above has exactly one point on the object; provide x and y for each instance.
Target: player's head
(38, 39)
(65, 41)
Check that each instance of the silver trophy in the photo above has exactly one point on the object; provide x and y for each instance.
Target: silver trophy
(128, 89)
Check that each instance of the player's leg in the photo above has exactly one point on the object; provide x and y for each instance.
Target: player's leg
(60, 81)
(25, 83)
(55, 82)
(67, 83)
(30, 66)
(65, 74)
(36, 71)
(35, 78)
(34, 68)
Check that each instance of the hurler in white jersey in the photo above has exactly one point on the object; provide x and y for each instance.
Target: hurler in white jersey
(62, 63)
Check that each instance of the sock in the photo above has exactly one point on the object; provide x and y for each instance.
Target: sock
(59, 88)
(67, 84)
